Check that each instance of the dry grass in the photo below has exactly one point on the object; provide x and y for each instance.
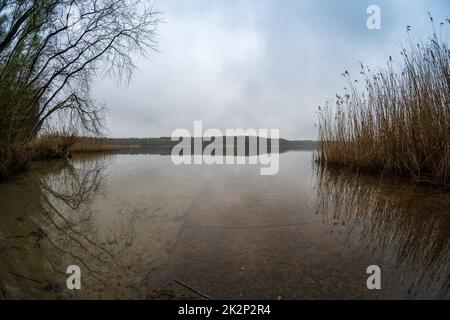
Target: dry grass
(14, 158)
(51, 146)
(400, 122)
(96, 145)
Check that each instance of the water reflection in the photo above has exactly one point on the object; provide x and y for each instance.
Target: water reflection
(117, 231)
(405, 227)
(53, 229)
(135, 223)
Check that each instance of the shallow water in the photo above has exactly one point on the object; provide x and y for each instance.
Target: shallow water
(136, 223)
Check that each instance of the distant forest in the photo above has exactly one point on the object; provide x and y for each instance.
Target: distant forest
(167, 142)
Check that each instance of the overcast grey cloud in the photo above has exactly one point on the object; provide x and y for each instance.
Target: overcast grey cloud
(255, 64)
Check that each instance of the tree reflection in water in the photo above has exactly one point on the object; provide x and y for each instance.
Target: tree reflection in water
(49, 226)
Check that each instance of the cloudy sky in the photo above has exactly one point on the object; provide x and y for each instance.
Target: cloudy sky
(255, 63)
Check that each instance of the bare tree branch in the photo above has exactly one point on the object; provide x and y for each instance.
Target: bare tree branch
(52, 49)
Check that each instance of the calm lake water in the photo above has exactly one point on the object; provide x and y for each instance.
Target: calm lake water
(136, 223)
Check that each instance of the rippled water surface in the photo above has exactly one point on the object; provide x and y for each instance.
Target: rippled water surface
(137, 223)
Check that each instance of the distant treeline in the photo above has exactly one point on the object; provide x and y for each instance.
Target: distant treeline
(166, 144)
(167, 141)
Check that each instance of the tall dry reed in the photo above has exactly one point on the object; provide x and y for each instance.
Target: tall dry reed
(398, 120)
(86, 144)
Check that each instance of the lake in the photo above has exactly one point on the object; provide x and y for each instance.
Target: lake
(138, 226)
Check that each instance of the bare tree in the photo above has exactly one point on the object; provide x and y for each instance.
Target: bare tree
(52, 49)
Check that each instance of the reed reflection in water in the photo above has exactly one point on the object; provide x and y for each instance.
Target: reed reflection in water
(405, 227)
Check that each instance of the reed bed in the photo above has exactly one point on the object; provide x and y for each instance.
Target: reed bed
(85, 145)
(14, 158)
(397, 120)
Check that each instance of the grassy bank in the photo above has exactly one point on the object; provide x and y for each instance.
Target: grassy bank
(14, 158)
(398, 121)
(83, 145)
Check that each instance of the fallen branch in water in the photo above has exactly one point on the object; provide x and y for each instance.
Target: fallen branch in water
(24, 277)
(193, 290)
